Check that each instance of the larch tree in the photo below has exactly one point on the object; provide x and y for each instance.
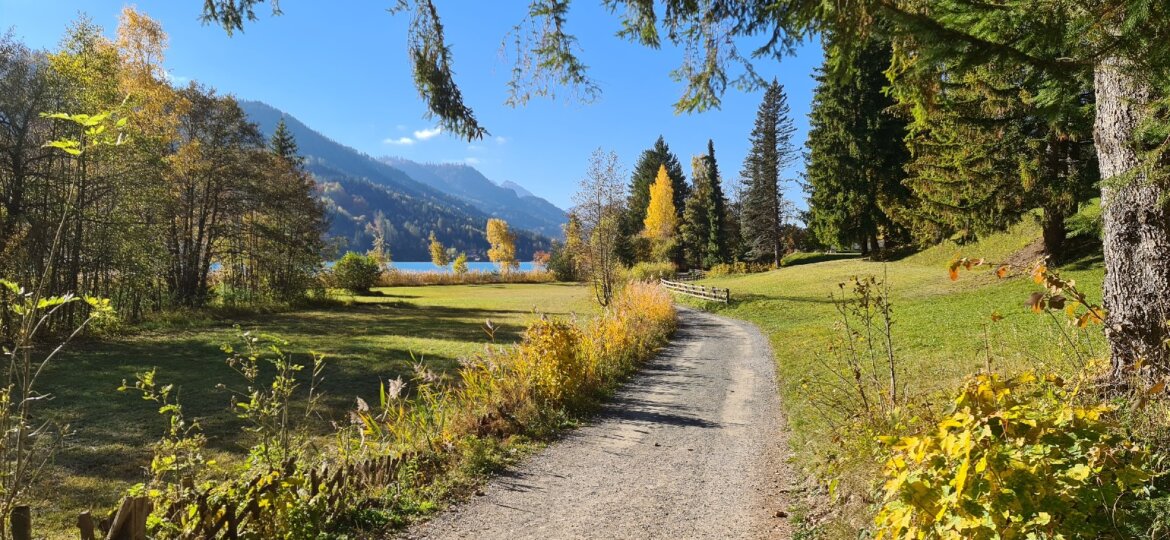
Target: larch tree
(770, 153)
(439, 255)
(1121, 42)
(503, 245)
(643, 176)
(661, 221)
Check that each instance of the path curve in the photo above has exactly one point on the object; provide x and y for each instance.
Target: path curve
(693, 447)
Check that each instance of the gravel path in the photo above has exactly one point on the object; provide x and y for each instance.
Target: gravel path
(693, 447)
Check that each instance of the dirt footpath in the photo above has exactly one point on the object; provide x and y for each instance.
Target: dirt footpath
(692, 447)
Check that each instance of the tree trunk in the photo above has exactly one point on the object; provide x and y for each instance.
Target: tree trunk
(1054, 232)
(1136, 226)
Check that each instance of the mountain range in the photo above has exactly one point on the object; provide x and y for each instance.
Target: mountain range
(410, 199)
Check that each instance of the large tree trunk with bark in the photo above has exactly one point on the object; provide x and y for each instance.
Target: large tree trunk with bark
(1137, 228)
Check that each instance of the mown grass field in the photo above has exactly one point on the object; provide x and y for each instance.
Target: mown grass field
(371, 338)
(943, 330)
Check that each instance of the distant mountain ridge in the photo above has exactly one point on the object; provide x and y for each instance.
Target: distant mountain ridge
(357, 189)
(523, 210)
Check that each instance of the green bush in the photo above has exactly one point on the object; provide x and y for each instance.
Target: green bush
(1013, 458)
(356, 272)
(647, 271)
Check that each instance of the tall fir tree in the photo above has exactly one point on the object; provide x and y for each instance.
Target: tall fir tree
(695, 227)
(771, 152)
(705, 227)
(986, 151)
(856, 154)
(644, 174)
(284, 145)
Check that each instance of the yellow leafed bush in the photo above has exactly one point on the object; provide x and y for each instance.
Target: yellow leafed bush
(395, 278)
(1013, 458)
(559, 364)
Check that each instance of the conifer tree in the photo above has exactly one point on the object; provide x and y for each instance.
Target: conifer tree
(284, 145)
(661, 221)
(644, 174)
(771, 151)
(439, 255)
(856, 154)
(718, 226)
(695, 228)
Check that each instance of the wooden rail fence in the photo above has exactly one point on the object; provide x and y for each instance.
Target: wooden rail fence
(698, 291)
(691, 275)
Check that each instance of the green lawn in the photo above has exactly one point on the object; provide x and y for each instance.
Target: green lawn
(942, 329)
(370, 339)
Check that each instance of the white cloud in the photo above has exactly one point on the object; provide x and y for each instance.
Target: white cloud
(400, 127)
(401, 141)
(176, 79)
(471, 161)
(501, 139)
(474, 148)
(425, 134)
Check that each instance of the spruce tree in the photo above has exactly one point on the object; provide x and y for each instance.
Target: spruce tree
(284, 145)
(695, 228)
(854, 164)
(771, 151)
(705, 227)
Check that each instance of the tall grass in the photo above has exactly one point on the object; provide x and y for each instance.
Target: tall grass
(559, 366)
(394, 278)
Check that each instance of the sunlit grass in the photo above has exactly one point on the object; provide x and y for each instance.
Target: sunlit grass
(372, 338)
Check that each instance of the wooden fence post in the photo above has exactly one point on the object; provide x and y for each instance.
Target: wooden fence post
(85, 525)
(21, 523)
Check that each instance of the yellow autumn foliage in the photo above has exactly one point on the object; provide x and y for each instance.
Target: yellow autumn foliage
(661, 218)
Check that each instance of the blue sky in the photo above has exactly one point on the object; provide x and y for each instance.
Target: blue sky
(341, 68)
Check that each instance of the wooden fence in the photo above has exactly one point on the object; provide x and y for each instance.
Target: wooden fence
(690, 275)
(228, 517)
(699, 291)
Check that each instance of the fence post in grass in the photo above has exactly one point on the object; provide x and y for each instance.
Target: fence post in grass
(727, 296)
(85, 525)
(21, 523)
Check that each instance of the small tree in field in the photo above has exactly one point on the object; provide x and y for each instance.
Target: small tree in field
(439, 255)
(599, 208)
(460, 264)
(503, 245)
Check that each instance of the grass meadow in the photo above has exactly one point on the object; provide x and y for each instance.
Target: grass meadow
(943, 331)
(366, 339)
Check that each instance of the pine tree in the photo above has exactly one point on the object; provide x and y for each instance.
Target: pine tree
(644, 174)
(854, 165)
(695, 228)
(718, 226)
(985, 154)
(283, 144)
(771, 152)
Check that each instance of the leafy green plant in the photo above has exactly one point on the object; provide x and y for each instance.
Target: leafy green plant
(27, 443)
(269, 409)
(1013, 457)
(356, 272)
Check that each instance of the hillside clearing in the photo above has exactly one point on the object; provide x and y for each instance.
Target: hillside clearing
(942, 332)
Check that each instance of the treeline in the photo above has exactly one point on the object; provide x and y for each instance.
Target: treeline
(117, 184)
(658, 216)
(903, 149)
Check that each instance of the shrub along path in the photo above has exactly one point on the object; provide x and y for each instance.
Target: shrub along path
(693, 447)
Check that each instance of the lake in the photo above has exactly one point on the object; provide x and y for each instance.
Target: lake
(474, 266)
